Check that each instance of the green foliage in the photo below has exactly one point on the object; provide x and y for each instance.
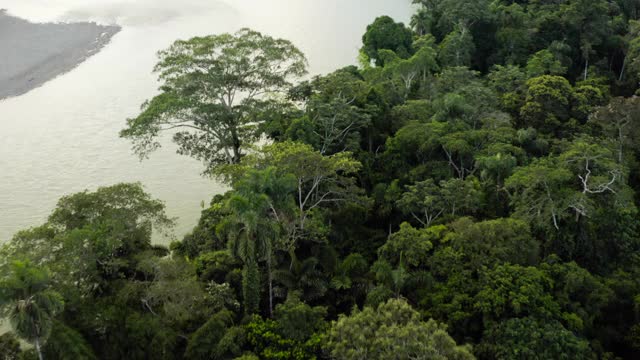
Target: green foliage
(309, 182)
(253, 237)
(513, 34)
(547, 106)
(427, 202)
(633, 55)
(516, 291)
(410, 71)
(493, 242)
(204, 343)
(384, 33)
(27, 299)
(203, 238)
(351, 279)
(269, 342)
(579, 293)
(506, 79)
(618, 121)
(175, 293)
(457, 48)
(393, 330)
(528, 338)
(66, 343)
(89, 234)
(335, 114)
(544, 63)
(482, 167)
(210, 91)
(413, 245)
(297, 320)
(9, 347)
(215, 265)
(303, 276)
(541, 192)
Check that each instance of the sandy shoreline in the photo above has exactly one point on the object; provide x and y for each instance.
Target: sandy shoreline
(34, 53)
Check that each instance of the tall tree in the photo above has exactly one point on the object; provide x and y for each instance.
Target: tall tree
(547, 107)
(541, 192)
(619, 121)
(457, 48)
(214, 92)
(253, 228)
(385, 33)
(514, 32)
(318, 182)
(416, 68)
(589, 20)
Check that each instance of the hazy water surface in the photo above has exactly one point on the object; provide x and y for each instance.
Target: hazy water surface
(63, 137)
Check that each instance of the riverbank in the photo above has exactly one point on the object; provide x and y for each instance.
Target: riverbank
(34, 53)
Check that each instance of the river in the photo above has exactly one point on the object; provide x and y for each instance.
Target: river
(62, 137)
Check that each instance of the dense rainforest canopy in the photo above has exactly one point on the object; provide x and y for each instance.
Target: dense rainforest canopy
(470, 190)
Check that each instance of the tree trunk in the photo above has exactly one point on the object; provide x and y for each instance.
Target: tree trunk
(236, 146)
(236, 151)
(270, 277)
(620, 144)
(38, 350)
(251, 287)
(586, 68)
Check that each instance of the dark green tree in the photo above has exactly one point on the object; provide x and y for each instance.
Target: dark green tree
(385, 33)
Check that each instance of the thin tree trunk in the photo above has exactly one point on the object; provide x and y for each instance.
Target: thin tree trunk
(38, 349)
(620, 145)
(586, 68)
(236, 146)
(270, 277)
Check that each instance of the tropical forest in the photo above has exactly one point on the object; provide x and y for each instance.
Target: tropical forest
(467, 189)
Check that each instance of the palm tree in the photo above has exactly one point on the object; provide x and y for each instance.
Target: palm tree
(351, 279)
(255, 225)
(248, 241)
(303, 277)
(29, 303)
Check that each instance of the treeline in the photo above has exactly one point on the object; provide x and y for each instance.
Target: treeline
(469, 191)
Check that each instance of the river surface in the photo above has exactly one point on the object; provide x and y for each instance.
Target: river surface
(62, 137)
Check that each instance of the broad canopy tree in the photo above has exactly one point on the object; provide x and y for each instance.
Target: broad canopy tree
(215, 91)
(385, 33)
(393, 330)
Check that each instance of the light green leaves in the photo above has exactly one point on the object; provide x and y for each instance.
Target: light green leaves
(215, 90)
(393, 330)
